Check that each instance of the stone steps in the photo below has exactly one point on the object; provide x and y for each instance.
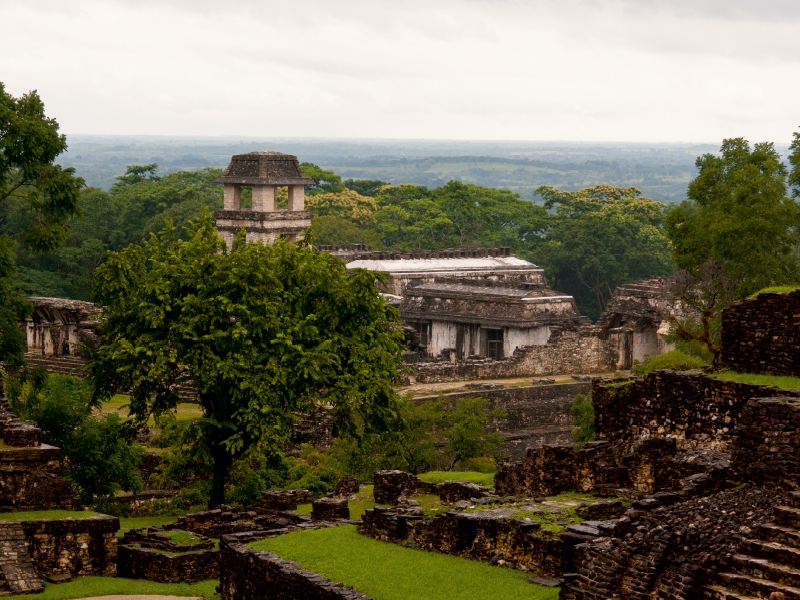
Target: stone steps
(719, 592)
(773, 551)
(754, 586)
(17, 573)
(767, 569)
(788, 515)
(770, 532)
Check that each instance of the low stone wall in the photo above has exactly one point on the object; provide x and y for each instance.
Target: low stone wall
(583, 350)
(224, 520)
(247, 574)
(72, 547)
(698, 411)
(390, 485)
(484, 536)
(535, 414)
(669, 552)
(150, 564)
(762, 335)
(767, 447)
(330, 509)
(499, 540)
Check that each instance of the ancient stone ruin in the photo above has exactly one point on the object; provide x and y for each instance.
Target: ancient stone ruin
(264, 173)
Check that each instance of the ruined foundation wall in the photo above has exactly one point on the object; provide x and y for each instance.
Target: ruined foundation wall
(699, 411)
(763, 335)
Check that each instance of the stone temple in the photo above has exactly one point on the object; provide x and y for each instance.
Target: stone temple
(263, 173)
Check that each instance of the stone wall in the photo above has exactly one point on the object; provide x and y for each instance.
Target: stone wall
(63, 548)
(763, 335)
(583, 350)
(698, 411)
(767, 447)
(146, 563)
(247, 574)
(391, 485)
(535, 414)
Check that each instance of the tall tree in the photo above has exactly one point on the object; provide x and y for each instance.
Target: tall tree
(598, 238)
(739, 214)
(794, 160)
(264, 332)
(29, 145)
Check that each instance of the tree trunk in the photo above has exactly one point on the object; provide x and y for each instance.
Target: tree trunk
(222, 462)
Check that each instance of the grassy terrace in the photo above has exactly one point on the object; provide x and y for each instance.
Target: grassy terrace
(778, 381)
(88, 587)
(486, 479)
(387, 571)
(49, 514)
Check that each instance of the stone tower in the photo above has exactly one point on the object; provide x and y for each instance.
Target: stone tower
(264, 172)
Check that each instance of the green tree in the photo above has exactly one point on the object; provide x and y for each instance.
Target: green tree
(29, 143)
(739, 213)
(325, 182)
(455, 215)
(365, 187)
(598, 238)
(794, 161)
(264, 332)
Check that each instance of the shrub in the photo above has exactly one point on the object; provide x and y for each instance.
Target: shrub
(674, 359)
(583, 414)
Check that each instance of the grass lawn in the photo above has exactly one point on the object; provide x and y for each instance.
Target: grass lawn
(138, 522)
(387, 571)
(778, 381)
(85, 587)
(185, 411)
(48, 514)
(486, 479)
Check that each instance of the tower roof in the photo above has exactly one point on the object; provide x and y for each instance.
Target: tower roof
(264, 168)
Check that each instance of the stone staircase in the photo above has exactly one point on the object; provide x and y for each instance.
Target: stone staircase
(17, 573)
(765, 565)
(69, 365)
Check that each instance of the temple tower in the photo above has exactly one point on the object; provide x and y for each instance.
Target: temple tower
(263, 172)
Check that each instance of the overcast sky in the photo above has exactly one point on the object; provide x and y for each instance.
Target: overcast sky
(611, 70)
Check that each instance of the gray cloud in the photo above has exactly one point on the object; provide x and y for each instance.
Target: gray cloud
(500, 69)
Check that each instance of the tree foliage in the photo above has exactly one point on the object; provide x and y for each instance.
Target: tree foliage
(740, 215)
(99, 453)
(29, 145)
(263, 332)
(598, 238)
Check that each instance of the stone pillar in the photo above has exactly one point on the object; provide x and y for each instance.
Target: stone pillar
(297, 200)
(264, 198)
(232, 198)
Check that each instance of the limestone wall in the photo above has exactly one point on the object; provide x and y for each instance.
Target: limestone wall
(583, 350)
(763, 335)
